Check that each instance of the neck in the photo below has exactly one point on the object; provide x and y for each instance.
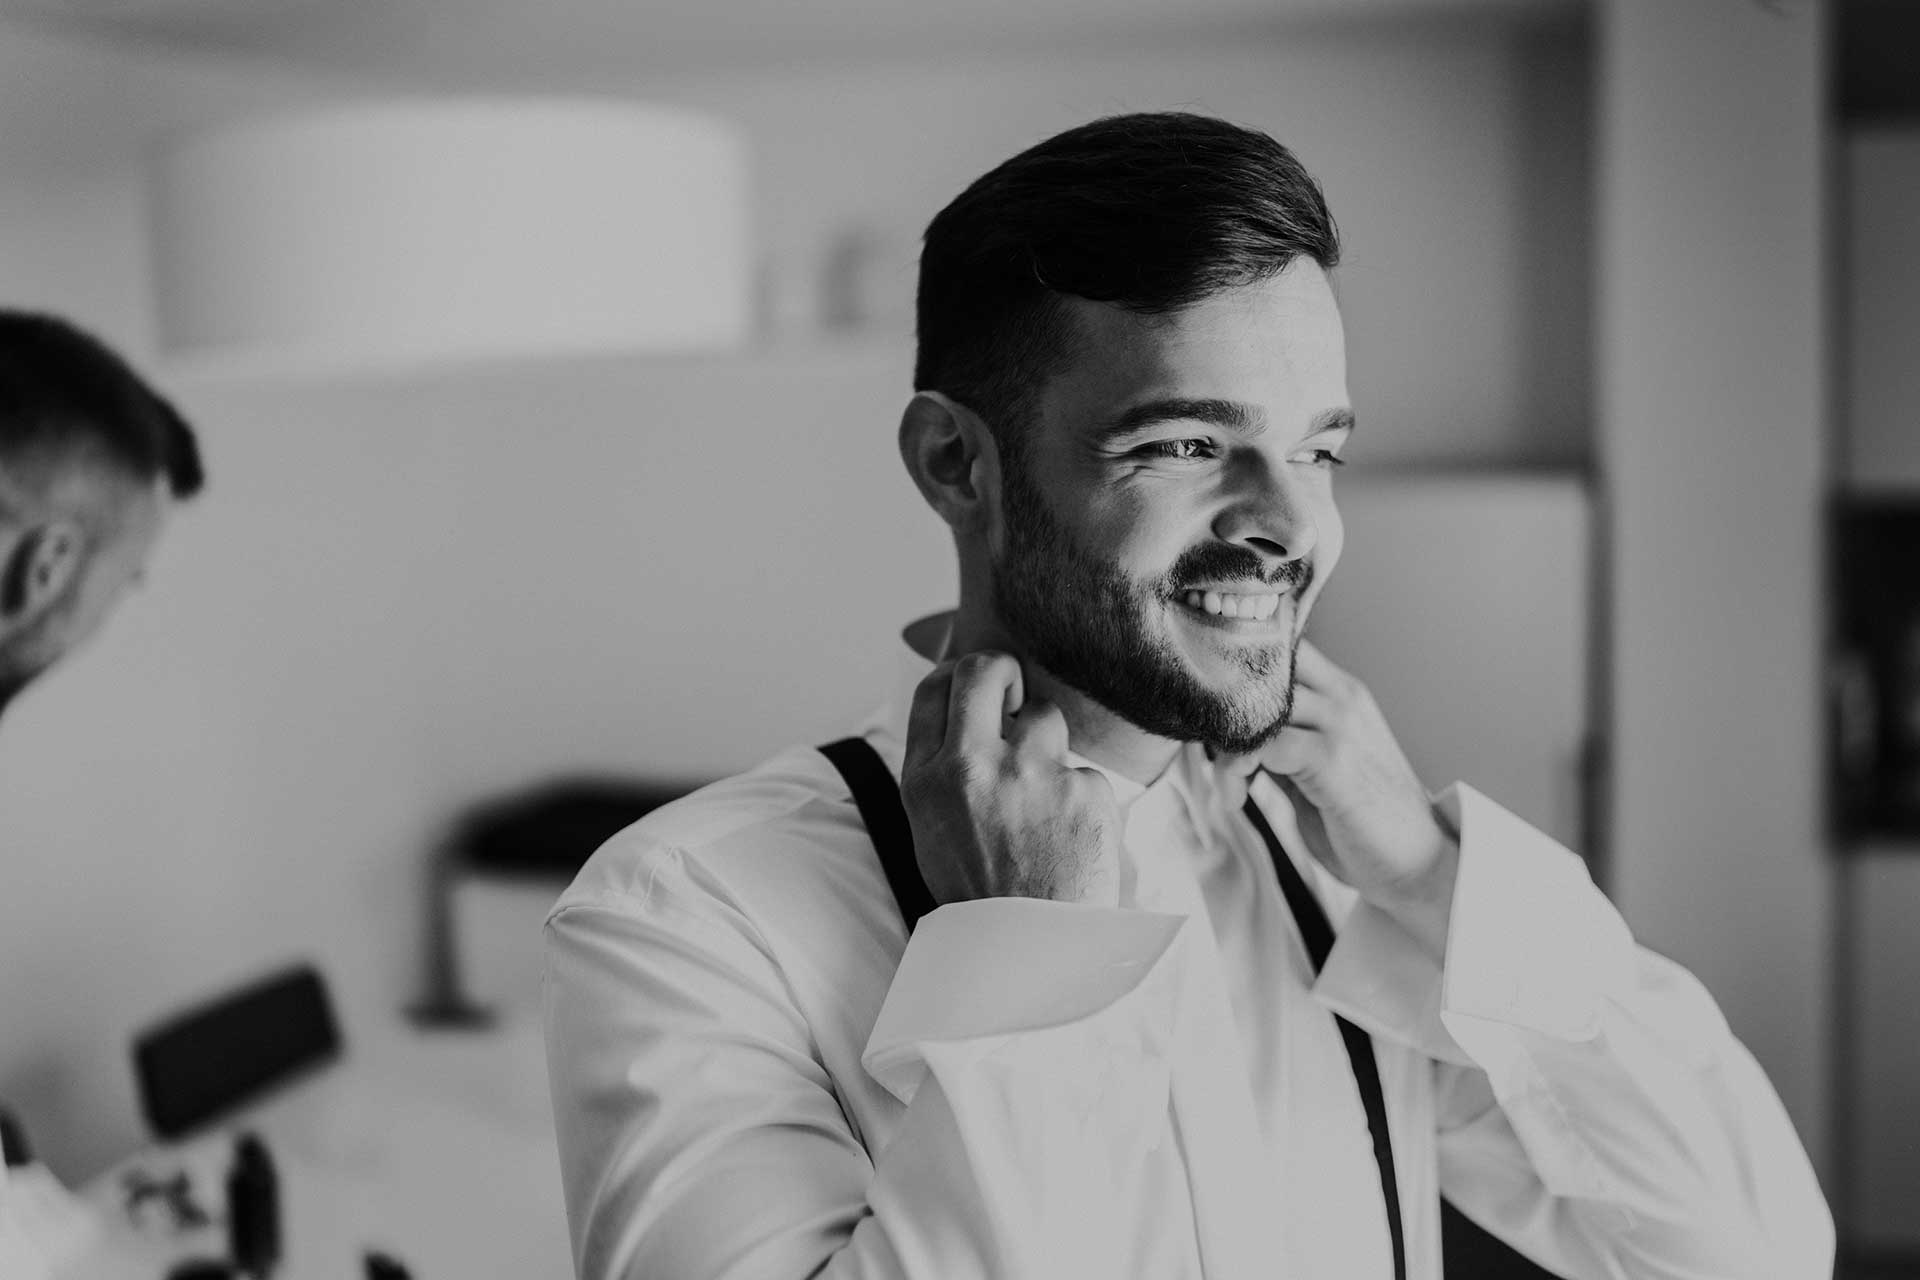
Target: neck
(1093, 731)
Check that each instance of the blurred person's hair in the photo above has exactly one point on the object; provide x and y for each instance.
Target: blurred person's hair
(1150, 212)
(65, 398)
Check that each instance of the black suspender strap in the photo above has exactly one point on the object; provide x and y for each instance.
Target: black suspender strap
(1466, 1247)
(1317, 933)
(878, 797)
(1469, 1250)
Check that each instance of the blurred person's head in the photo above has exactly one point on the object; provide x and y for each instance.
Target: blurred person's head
(1131, 382)
(91, 461)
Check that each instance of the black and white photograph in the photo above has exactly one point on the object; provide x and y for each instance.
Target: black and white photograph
(1018, 640)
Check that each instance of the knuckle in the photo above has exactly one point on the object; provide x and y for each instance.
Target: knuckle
(974, 666)
(919, 789)
(970, 775)
(1020, 769)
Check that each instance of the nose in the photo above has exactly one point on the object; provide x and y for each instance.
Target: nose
(1268, 512)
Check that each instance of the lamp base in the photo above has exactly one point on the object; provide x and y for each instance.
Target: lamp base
(451, 1014)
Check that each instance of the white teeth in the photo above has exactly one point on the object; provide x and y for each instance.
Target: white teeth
(1258, 608)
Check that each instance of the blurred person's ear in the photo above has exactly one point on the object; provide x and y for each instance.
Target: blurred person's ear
(39, 567)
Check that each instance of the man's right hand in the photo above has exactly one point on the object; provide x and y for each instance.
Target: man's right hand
(996, 810)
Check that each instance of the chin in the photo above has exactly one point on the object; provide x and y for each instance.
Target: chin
(1234, 715)
(1251, 729)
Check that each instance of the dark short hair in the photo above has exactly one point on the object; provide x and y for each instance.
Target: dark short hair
(63, 389)
(1149, 212)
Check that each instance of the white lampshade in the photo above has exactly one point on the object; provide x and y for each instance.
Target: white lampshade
(394, 235)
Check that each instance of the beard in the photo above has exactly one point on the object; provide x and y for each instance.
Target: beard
(1092, 626)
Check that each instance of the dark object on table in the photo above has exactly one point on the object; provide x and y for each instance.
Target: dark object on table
(381, 1266)
(203, 1269)
(174, 1192)
(545, 833)
(13, 1141)
(1874, 682)
(552, 830)
(253, 1208)
(200, 1065)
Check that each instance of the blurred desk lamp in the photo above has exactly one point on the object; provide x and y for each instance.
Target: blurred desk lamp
(540, 835)
(396, 236)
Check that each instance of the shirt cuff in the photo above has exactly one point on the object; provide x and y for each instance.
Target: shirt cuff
(1532, 944)
(1094, 983)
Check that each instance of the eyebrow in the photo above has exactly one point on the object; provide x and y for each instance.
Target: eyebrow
(1231, 415)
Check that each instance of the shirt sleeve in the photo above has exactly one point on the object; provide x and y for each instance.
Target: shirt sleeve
(1594, 1108)
(702, 1137)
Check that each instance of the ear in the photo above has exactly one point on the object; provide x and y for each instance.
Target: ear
(41, 565)
(952, 458)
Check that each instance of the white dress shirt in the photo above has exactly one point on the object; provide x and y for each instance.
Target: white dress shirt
(756, 1074)
(21, 1257)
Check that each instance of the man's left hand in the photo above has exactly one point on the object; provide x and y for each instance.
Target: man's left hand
(1361, 810)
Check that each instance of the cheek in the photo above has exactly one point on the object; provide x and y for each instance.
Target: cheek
(1330, 538)
(1331, 541)
(1151, 526)
(1144, 548)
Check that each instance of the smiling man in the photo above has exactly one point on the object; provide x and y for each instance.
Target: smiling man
(1123, 941)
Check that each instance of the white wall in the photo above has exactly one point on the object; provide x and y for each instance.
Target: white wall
(1454, 157)
(396, 596)
(1711, 436)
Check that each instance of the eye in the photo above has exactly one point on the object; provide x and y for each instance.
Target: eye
(1325, 458)
(1188, 450)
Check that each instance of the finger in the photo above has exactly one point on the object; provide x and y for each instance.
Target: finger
(1312, 827)
(1041, 727)
(987, 687)
(1314, 668)
(927, 718)
(1294, 751)
(1311, 708)
(1098, 785)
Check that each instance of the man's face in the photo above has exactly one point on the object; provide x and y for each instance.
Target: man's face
(1170, 520)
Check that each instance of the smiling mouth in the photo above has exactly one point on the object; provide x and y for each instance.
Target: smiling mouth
(1220, 604)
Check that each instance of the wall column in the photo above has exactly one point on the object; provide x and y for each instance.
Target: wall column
(1711, 380)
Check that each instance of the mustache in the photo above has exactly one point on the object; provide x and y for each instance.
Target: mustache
(1214, 561)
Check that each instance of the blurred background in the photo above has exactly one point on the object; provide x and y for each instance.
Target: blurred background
(1631, 289)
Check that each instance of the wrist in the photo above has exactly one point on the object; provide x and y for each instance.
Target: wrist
(1092, 887)
(1422, 903)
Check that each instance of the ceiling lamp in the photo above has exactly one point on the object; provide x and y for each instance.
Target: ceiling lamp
(391, 236)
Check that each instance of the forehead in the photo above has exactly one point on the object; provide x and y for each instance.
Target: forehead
(1277, 344)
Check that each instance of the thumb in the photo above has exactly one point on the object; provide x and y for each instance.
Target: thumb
(1313, 827)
